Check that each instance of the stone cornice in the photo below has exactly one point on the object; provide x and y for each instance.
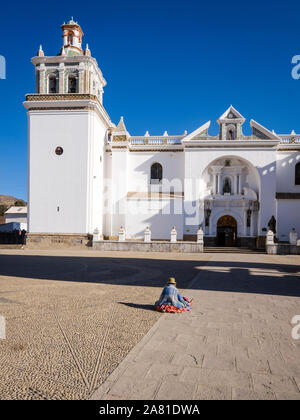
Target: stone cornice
(137, 195)
(232, 144)
(33, 97)
(292, 147)
(78, 101)
(158, 149)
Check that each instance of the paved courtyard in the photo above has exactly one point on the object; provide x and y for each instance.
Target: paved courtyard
(236, 343)
(81, 325)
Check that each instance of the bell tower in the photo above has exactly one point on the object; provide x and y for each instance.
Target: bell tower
(72, 38)
(67, 128)
(73, 70)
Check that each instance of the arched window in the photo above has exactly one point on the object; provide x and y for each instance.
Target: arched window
(70, 38)
(72, 83)
(297, 174)
(156, 173)
(52, 83)
(227, 186)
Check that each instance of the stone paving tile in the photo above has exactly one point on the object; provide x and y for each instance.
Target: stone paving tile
(173, 347)
(230, 350)
(279, 367)
(297, 380)
(137, 370)
(175, 390)
(162, 336)
(287, 396)
(245, 394)
(219, 340)
(206, 331)
(154, 356)
(135, 389)
(194, 339)
(225, 362)
(274, 383)
(202, 348)
(192, 359)
(229, 331)
(159, 371)
(255, 365)
(214, 377)
(218, 392)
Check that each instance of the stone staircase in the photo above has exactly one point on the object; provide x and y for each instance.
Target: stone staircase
(232, 250)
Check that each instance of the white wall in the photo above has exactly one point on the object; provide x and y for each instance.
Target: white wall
(288, 217)
(107, 194)
(63, 181)
(130, 172)
(96, 174)
(119, 189)
(159, 215)
(286, 162)
(139, 167)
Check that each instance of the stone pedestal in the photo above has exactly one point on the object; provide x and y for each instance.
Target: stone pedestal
(173, 234)
(96, 235)
(147, 235)
(121, 234)
(200, 236)
(293, 237)
(270, 238)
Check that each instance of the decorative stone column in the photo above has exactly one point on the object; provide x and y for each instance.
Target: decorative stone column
(61, 72)
(245, 223)
(173, 234)
(200, 235)
(42, 79)
(210, 227)
(121, 234)
(81, 78)
(293, 237)
(219, 184)
(252, 224)
(215, 184)
(235, 190)
(147, 235)
(239, 184)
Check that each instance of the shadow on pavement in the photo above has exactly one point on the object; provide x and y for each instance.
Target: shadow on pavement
(137, 306)
(237, 276)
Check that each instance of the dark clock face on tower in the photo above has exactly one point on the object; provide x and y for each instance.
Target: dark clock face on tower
(59, 150)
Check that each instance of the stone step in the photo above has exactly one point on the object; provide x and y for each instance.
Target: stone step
(11, 246)
(232, 250)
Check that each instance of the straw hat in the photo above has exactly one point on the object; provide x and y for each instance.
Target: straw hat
(171, 280)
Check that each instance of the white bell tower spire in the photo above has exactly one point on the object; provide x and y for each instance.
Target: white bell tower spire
(72, 38)
(67, 134)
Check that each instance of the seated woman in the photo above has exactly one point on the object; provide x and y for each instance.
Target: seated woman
(171, 300)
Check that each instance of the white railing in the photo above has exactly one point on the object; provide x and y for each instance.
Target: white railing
(161, 140)
(155, 141)
(290, 138)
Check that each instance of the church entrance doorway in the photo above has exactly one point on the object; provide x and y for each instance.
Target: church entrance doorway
(226, 231)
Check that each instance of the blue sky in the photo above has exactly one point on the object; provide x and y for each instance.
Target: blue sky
(169, 65)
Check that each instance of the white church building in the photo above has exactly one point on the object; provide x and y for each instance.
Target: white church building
(87, 174)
